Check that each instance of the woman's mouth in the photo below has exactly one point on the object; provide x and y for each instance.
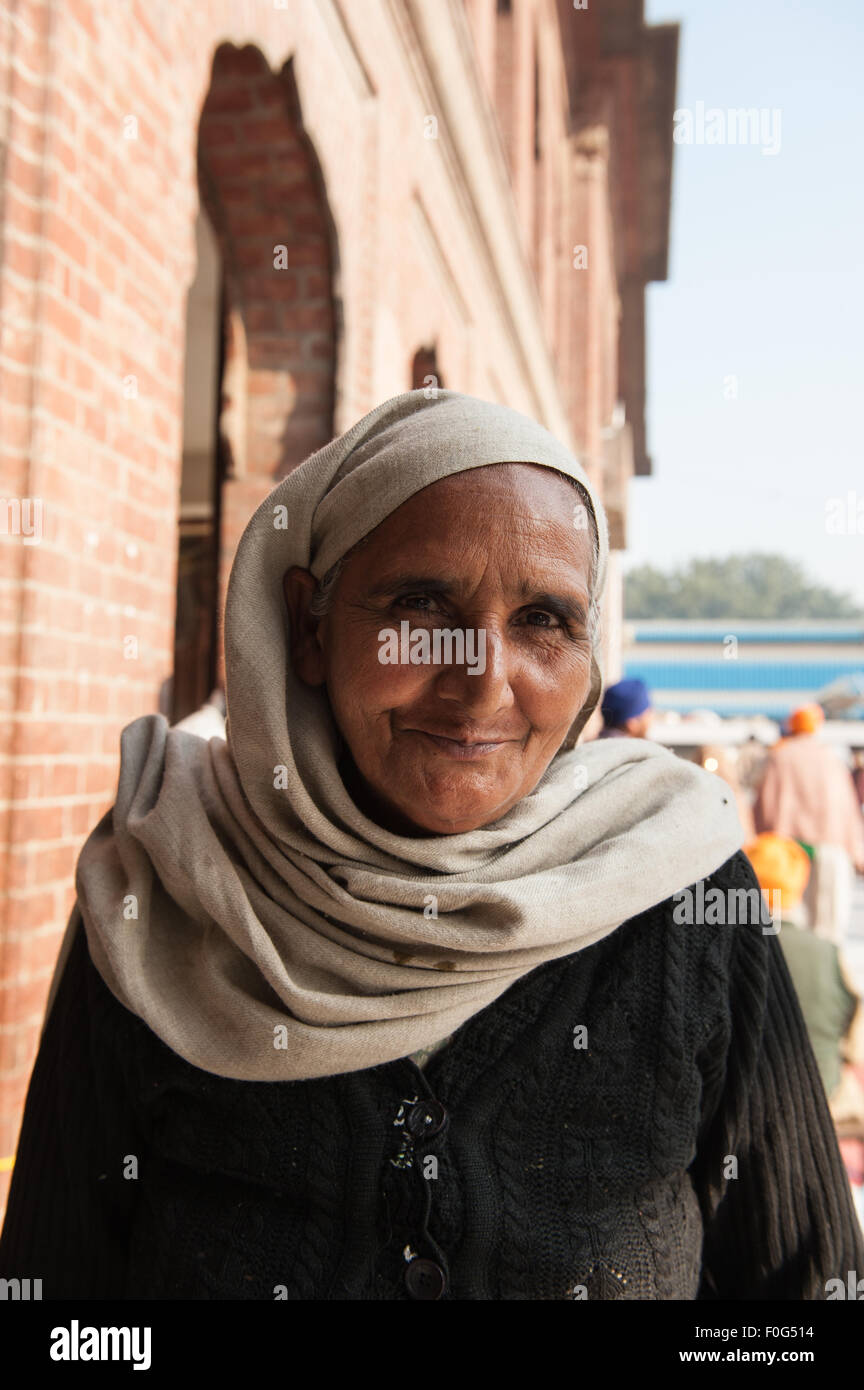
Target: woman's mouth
(460, 749)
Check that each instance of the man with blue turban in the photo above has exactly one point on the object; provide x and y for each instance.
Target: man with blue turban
(626, 710)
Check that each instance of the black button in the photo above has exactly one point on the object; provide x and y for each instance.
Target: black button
(425, 1118)
(424, 1279)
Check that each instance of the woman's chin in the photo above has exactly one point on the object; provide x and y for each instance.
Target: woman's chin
(433, 795)
(453, 810)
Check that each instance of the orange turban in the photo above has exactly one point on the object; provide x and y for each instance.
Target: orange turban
(806, 719)
(779, 862)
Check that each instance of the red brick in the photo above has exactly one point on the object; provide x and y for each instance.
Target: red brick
(95, 269)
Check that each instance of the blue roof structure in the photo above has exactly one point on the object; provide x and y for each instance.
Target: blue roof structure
(802, 660)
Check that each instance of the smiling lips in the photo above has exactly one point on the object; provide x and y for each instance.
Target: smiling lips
(458, 748)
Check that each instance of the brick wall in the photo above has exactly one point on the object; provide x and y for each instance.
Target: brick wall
(317, 126)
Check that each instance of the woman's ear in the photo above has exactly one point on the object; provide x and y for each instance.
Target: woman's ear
(307, 652)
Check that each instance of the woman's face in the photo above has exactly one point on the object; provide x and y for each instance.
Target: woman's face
(447, 747)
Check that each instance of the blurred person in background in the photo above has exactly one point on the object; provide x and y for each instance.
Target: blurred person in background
(858, 774)
(829, 1000)
(750, 764)
(832, 1008)
(714, 758)
(806, 793)
(626, 710)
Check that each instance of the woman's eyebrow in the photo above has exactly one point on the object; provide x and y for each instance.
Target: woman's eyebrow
(563, 604)
(390, 583)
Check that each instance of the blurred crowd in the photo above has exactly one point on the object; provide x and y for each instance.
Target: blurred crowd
(802, 813)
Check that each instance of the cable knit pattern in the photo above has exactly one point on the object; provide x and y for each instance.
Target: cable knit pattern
(578, 1138)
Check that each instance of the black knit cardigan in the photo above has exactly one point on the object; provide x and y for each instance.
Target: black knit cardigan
(680, 1147)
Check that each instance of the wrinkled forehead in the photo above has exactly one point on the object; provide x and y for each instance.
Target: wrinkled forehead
(507, 514)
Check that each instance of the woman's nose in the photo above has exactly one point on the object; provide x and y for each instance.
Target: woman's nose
(482, 682)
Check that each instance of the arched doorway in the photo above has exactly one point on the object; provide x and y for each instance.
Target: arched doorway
(263, 324)
(195, 630)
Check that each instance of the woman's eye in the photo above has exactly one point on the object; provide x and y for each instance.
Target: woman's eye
(416, 601)
(546, 619)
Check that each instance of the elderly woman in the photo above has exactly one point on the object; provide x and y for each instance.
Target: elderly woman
(389, 995)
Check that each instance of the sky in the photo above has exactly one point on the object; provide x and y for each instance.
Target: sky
(756, 341)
